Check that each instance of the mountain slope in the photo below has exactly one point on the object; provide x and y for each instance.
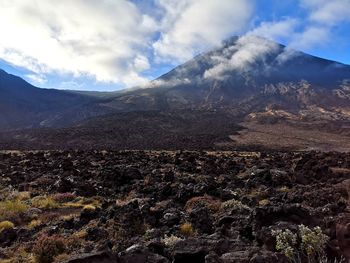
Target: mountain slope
(25, 106)
(250, 84)
(250, 71)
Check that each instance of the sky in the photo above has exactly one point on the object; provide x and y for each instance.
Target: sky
(107, 45)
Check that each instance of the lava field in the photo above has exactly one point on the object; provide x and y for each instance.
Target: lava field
(174, 206)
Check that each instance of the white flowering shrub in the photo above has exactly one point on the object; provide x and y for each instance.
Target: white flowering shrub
(313, 241)
(234, 204)
(286, 242)
(171, 241)
(307, 243)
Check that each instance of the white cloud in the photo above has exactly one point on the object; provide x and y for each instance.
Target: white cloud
(283, 29)
(328, 12)
(323, 16)
(191, 26)
(104, 39)
(247, 50)
(312, 36)
(305, 34)
(141, 63)
(36, 79)
(111, 40)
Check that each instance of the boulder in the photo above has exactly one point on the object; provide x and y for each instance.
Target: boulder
(7, 237)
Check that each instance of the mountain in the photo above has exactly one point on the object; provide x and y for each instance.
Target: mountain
(251, 72)
(25, 106)
(246, 93)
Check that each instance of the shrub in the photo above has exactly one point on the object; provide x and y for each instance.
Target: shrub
(6, 225)
(186, 229)
(67, 217)
(11, 209)
(21, 196)
(19, 255)
(80, 202)
(258, 193)
(234, 204)
(207, 201)
(89, 208)
(34, 223)
(313, 240)
(283, 189)
(286, 242)
(44, 202)
(309, 243)
(264, 202)
(64, 197)
(82, 234)
(61, 258)
(48, 247)
(171, 241)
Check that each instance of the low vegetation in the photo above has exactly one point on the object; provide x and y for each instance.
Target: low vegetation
(307, 243)
(208, 201)
(6, 225)
(47, 248)
(234, 204)
(12, 209)
(221, 204)
(186, 229)
(44, 202)
(171, 240)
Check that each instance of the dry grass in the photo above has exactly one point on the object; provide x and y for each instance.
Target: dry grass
(82, 234)
(21, 196)
(207, 201)
(284, 189)
(48, 247)
(257, 193)
(12, 209)
(6, 225)
(19, 255)
(186, 229)
(44, 202)
(61, 258)
(89, 208)
(80, 202)
(34, 223)
(264, 202)
(63, 197)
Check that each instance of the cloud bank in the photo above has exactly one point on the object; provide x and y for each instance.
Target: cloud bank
(104, 39)
(125, 42)
(190, 26)
(111, 41)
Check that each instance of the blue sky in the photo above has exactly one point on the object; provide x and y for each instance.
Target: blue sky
(114, 44)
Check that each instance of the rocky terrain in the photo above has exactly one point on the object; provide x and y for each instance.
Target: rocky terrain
(175, 206)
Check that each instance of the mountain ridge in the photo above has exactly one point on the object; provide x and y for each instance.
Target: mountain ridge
(247, 80)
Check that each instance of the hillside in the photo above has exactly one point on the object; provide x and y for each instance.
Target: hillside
(24, 106)
(244, 94)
